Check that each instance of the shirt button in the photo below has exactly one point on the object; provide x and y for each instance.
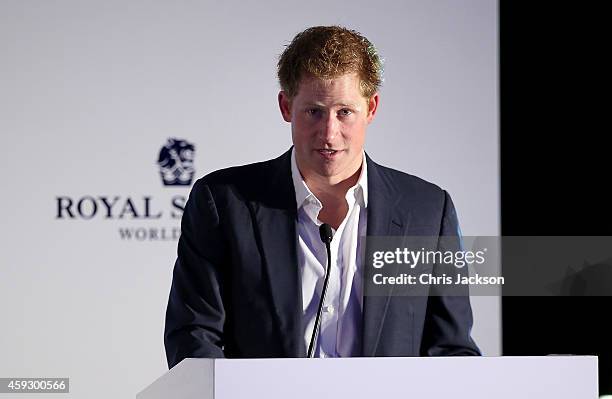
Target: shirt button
(328, 309)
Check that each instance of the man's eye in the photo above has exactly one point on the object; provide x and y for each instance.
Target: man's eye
(345, 112)
(313, 111)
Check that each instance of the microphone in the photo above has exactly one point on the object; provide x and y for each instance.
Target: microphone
(325, 231)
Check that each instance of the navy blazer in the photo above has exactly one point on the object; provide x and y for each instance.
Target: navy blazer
(236, 289)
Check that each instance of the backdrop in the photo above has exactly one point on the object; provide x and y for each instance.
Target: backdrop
(92, 91)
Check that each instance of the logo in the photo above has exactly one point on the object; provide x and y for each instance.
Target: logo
(144, 216)
(176, 162)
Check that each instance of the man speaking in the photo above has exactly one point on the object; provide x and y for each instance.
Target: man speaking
(249, 278)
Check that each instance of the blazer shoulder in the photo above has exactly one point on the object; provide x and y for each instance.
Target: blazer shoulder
(407, 183)
(237, 175)
(267, 182)
(250, 176)
(427, 202)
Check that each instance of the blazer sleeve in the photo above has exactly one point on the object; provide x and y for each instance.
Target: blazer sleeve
(195, 315)
(448, 320)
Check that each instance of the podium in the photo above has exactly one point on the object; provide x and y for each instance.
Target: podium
(554, 377)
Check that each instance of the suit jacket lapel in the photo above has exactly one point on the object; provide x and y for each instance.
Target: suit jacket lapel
(384, 219)
(275, 218)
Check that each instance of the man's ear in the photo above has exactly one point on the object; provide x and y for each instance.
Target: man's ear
(284, 103)
(372, 106)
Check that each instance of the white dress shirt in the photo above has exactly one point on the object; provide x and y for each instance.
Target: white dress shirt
(341, 319)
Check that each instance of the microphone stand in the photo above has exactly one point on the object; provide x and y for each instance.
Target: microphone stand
(325, 231)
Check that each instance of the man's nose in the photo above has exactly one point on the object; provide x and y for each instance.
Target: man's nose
(329, 128)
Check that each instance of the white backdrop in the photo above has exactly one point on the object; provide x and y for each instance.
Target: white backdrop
(89, 93)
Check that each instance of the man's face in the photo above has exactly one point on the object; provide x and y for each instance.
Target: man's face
(328, 125)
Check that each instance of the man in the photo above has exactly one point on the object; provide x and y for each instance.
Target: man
(250, 267)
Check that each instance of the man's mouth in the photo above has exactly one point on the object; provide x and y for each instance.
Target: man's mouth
(329, 154)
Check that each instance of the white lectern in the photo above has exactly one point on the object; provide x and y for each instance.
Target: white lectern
(554, 377)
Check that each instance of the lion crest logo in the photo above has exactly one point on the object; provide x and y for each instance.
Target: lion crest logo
(176, 162)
